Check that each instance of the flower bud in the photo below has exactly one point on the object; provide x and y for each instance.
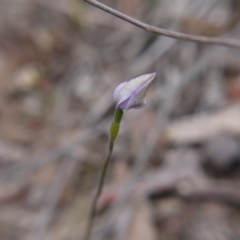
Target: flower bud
(132, 94)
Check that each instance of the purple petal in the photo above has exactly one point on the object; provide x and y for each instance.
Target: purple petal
(131, 103)
(138, 105)
(117, 91)
(123, 104)
(136, 97)
(151, 77)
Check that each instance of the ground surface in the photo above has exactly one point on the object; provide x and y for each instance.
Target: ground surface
(175, 173)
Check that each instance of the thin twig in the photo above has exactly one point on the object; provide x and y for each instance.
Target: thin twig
(152, 29)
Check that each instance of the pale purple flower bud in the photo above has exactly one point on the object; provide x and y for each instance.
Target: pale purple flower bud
(132, 94)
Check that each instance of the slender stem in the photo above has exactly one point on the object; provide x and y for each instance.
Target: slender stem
(234, 43)
(118, 116)
(99, 190)
(113, 134)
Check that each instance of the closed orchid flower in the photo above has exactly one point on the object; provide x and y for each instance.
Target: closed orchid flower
(127, 95)
(132, 94)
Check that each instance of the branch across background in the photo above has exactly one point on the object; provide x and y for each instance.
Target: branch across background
(233, 43)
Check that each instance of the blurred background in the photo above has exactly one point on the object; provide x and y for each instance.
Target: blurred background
(175, 172)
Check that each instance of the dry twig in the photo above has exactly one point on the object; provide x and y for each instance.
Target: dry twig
(152, 29)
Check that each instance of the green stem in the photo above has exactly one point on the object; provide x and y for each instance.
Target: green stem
(118, 115)
(95, 200)
(114, 128)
